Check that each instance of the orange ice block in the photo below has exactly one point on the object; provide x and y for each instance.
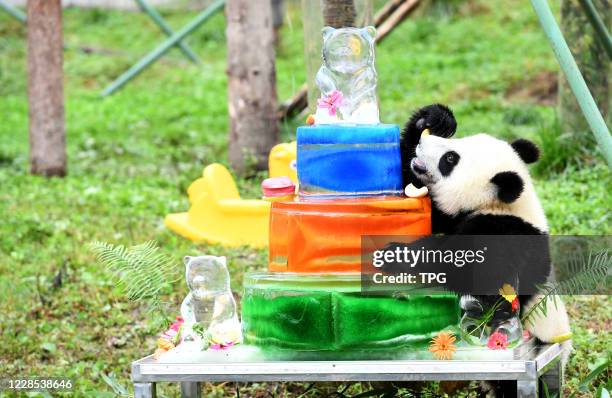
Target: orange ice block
(325, 236)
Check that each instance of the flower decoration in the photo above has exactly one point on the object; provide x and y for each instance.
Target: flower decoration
(173, 334)
(221, 346)
(310, 120)
(498, 341)
(442, 345)
(224, 340)
(515, 304)
(507, 292)
(170, 338)
(176, 325)
(331, 102)
(165, 344)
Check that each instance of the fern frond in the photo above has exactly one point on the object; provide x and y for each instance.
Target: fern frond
(141, 272)
(588, 274)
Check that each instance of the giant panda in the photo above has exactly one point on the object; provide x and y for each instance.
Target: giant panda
(480, 185)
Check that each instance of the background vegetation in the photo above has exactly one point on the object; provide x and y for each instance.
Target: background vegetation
(133, 155)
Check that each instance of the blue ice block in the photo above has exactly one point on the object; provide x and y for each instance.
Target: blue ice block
(349, 160)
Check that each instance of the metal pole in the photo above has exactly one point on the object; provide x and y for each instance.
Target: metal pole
(159, 21)
(574, 78)
(160, 50)
(598, 25)
(13, 11)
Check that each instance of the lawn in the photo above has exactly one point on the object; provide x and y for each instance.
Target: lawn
(133, 155)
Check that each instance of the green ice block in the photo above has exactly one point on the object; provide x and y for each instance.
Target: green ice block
(329, 313)
(288, 319)
(383, 321)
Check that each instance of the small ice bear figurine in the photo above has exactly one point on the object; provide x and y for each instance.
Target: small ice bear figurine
(210, 301)
(347, 78)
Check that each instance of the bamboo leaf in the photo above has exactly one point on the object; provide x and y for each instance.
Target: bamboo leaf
(588, 276)
(141, 272)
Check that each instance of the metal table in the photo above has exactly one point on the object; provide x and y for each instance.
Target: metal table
(531, 366)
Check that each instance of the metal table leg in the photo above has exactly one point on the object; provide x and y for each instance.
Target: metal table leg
(190, 389)
(552, 379)
(145, 390)
(527, 387)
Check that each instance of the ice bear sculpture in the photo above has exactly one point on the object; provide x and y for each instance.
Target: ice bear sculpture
(347, 78)
(210, 302)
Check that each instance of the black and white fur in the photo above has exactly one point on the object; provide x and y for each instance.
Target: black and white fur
(480, 185)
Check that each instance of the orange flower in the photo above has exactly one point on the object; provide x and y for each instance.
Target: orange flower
(310, 120)
(442, 345)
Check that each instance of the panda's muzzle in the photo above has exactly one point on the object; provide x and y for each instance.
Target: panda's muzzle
(418, 166)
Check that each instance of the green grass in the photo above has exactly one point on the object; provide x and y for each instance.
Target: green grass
(132, 156)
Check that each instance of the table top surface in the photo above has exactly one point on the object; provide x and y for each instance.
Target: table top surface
(526, 361)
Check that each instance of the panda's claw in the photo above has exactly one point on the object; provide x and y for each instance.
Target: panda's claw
(420, 124)
(438, 120)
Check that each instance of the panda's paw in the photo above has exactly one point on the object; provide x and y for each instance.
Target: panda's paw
(436, 118)
(551, 326)
(554, 327)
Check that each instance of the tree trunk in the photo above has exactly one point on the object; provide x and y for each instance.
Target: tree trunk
(278, 11)
(592, 60)
(339, 13)
(45, 88)
(251, 83)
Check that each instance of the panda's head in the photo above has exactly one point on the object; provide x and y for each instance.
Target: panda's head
(475, 173)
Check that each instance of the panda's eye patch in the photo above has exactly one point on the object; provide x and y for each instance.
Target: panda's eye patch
(448, 161)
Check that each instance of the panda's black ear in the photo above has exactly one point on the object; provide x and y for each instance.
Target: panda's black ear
(509, 186)
(527, 150)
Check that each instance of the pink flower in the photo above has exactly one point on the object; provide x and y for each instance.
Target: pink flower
(176, 325)
(221, 346)
(331, 102)
(498, 341)
(173, 334)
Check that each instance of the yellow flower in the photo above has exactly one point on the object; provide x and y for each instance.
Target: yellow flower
(442, 345)
(164, 344)
(229, 336)
(508, 292)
